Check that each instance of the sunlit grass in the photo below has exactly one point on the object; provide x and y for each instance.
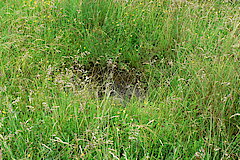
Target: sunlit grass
(116, 79)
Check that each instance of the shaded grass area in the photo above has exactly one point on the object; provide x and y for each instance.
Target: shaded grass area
(67, 66)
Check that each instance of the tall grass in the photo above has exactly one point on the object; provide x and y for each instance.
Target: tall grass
(61, 62)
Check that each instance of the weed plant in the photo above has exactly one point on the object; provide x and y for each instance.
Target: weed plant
(181, 56)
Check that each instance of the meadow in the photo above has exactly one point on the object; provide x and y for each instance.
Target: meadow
(119, 79)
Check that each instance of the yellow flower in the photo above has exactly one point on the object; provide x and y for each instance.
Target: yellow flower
(82, 154)
(4, 112)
